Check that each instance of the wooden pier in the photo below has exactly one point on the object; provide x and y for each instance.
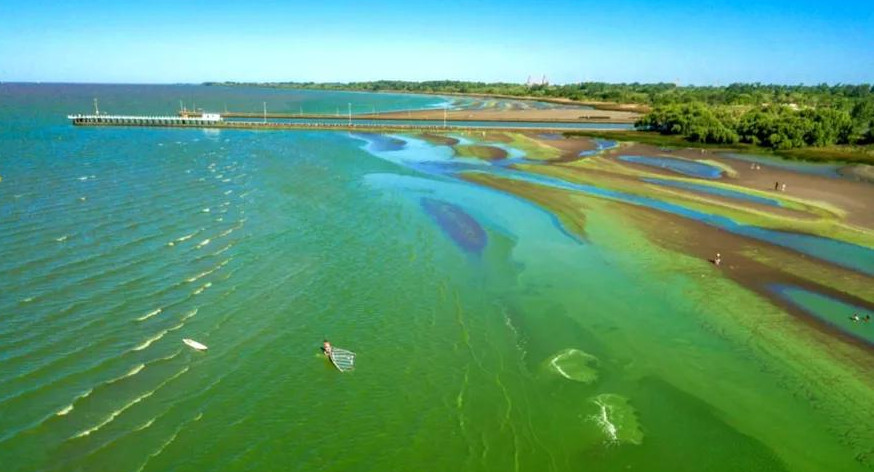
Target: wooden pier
(215, 121)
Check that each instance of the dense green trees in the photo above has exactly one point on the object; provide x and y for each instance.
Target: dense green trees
(694, 121)
(774, 126)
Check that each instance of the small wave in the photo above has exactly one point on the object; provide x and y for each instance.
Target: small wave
(220, 176)
(62, 238)
(223, 249)
(228, 192)
(82, 199)
(145, 425)
(205, 210)
(136, 370)
(69, 407)
(148, 342)
(112, 416)
(201, 275)
(202, 288)
(27, 300)
(150, 314)
(203, 243)
(226, 180)
(183, 238)
(189, 314)
(226, 232)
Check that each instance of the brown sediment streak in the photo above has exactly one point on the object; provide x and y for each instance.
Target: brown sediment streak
(486, 152)
(700, 240)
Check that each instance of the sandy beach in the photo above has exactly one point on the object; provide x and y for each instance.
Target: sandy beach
(576, 115)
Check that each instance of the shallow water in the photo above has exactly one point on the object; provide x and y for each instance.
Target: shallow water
(718, 191)
(680, 166)
(121, 242)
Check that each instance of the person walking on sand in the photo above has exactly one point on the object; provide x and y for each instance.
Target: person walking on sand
(776, 185)
(718, 259)
(782, 187)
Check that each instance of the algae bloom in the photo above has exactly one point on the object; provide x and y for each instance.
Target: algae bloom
(617, 419)
(574, 364)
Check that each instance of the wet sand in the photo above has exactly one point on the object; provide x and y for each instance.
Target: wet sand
(821, 202)
(558, 115)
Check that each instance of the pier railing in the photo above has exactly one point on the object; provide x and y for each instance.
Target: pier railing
(215, 121)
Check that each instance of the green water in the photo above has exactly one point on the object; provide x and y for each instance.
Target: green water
(121, 242)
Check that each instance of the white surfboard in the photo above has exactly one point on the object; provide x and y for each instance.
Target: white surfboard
(194, 344)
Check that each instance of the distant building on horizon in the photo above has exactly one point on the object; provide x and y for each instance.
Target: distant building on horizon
(531, 82)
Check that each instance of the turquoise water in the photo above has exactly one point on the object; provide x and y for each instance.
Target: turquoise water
(488, 337)
(835, 313)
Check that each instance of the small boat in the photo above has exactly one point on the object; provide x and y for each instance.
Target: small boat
(194, 344)
(342, 359)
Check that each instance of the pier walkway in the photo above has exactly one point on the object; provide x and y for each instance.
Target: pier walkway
(215, 121)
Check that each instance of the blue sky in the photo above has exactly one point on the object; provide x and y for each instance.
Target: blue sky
(159, 41)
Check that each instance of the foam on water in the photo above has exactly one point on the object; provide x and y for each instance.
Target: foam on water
(202, 243)
(574, 364)
(617, 419)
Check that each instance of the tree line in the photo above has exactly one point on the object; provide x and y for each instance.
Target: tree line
(840, 95)
(776, 126)
(775, 116)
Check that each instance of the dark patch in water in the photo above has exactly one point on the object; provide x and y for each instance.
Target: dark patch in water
(457, 224)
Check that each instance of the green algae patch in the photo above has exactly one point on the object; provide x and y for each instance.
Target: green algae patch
(826, 221)
(574, 364)
(566, 205)
(533, 149)
(617, 419)
(480, 151)
(817, 386)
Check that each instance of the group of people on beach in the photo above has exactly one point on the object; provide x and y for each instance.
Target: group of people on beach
(779, 186)
(856, 318)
